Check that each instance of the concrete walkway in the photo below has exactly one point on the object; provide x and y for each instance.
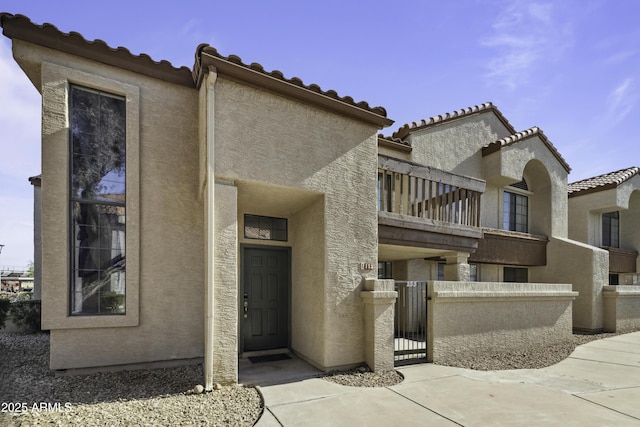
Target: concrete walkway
(598, 385)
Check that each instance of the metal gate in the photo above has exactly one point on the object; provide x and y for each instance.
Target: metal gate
(410, 322)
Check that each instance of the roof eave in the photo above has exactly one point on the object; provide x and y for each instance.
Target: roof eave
(497, 146)
(46, 35)
(283, 87)
(441, 119)
(609, 186)
(394, 145)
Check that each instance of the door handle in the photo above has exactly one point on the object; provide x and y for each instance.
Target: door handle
(246, 308)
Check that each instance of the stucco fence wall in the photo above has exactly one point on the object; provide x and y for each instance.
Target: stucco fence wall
(467, 318)
(621, 308)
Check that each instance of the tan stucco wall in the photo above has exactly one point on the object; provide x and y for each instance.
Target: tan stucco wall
(586, 268)
(225, 310)
(266, 140)
(164, 219)
(379, 299)
(455, 146)
(397, 154)
(415, 269)
(630, 224)
(546, 177)
(585, 215)
(621, 308)
(307, 226)
(467, 318)
(37, 242)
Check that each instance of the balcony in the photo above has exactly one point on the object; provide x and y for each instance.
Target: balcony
(622, 260)
(511, 248)
(424, 207)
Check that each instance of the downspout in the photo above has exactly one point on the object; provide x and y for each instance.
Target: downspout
(210, 278)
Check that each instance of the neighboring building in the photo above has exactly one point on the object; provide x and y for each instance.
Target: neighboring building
(524, 234)
(604, 211)
(523, 183)
(194, 215)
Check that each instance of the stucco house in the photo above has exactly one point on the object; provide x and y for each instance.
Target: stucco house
(519, 233)
(277, 200)
(262, 189)
(604, 211)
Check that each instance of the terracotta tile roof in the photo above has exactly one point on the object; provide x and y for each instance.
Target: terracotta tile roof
(20, 27)
(465, 112)
(602, 182)
(395, 143)
(275, 80)
(520, 136)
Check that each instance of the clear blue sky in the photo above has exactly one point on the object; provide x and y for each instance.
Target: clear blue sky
(571, 67)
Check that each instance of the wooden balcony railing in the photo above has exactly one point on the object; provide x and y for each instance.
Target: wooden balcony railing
(420, 191)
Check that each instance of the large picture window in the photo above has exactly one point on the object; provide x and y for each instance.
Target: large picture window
(98, 202)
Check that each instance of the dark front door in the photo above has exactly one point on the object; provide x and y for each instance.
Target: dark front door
(264, 310)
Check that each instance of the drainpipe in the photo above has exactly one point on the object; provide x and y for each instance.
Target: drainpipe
(210, 279)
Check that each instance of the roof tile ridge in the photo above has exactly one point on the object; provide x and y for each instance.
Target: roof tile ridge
(297, 81)
(521, 135)
(405, 129)
(617, 177)
(517, 136)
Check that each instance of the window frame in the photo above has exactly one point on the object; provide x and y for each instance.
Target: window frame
(516, 271)
(607, 220)
(95, 203)
(385, 270)
(517, 194)
(272, 230)
(56, 81)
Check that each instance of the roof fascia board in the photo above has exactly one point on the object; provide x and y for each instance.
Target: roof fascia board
(383, 142)
(609, 186)
(49, 36)
(247, 75)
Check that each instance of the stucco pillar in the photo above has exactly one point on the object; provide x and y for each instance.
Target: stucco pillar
(379, 299)
(36, 181)
(225, 309)
(457, 268)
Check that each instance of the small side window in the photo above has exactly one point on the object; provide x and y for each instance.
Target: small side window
(516, 275)
(265, 228)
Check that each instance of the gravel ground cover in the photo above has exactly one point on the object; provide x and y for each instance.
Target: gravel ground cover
(363, 377)
(32, 396)
(532, 358)
(158, 397)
